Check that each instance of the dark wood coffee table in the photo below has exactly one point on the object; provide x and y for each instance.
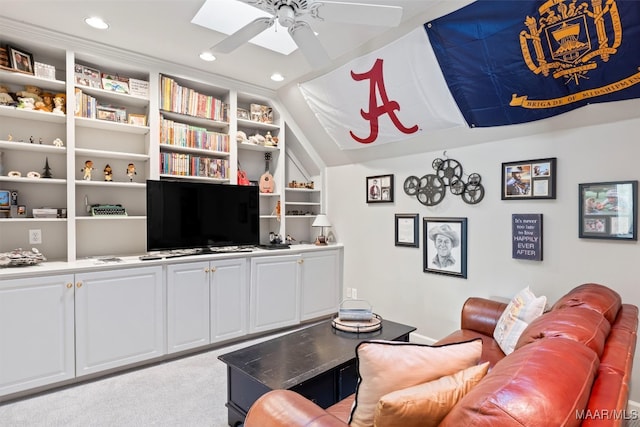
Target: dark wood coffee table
(318, 362)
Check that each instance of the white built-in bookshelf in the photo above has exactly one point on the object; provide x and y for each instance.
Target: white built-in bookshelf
(184, 127)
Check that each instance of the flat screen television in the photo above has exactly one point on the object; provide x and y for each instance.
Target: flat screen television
(194, 215)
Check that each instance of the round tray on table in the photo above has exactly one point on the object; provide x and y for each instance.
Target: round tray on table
(357, 326)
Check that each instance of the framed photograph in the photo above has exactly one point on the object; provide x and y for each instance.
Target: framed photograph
(105, 114)
(115, 83)
(529, 179)
(92, 76)
(608, 210)
(243, 114)
(137, 119)
(380, 189)
(407, 227)
(20, 60)
(445, 246)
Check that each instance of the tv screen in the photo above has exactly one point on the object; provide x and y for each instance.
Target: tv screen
(185, 215)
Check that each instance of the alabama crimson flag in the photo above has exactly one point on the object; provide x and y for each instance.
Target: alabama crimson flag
(394, 93)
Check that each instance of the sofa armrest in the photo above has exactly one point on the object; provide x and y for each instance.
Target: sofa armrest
(481, 315)
(285, 408)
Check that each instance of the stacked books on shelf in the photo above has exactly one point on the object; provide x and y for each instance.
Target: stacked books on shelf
(190, 165)
(87, 106)
(183, 135)
(183, 100)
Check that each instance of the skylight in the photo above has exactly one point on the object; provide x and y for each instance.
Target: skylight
(228, 16)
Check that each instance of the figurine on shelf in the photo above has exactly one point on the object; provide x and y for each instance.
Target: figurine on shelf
(108, 173)
(131, 171)
(26, 103)
(290, 239)
(5, 97)
(33, 92)
(46, 104)
(59, 101)
(58, 143)
(268, 140)
(47, 170)
(87, 169)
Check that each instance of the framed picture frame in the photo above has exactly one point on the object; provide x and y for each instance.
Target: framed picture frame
(526, 236)
(407, 230)
(243, 114)
(105, 114)
(608, 210)
(445, 246)
(137, 119)
(20, 60)
(529, 179)
(379, 189)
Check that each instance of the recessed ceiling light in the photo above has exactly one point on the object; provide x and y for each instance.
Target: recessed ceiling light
(96, 22)
(207, 56)
(277, 77)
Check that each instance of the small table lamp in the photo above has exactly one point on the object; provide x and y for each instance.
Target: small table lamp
(321, 221)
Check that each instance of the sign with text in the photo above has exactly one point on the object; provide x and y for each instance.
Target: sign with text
(526, 231)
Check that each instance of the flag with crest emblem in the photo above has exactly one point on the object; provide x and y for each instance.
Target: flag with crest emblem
(509, 62)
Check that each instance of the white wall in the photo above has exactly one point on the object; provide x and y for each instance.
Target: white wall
(391, 278)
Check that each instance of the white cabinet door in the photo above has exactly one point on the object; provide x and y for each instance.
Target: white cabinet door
(320, 285)
(187, 306)
(275, 284)
(228, 299)
(36, 332)
(119, 318)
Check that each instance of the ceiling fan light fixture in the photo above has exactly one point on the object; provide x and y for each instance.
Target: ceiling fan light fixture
(286, 16)
(207, 56)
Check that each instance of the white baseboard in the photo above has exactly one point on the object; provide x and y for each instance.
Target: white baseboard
(421, 339)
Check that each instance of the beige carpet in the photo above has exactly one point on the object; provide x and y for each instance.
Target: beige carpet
(190, 391)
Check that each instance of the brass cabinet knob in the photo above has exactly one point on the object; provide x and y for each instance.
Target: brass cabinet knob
(300, 261)
(79, 285)
(213, 269)
(69, 285)
(206, 270)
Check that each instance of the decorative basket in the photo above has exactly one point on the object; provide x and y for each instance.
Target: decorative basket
(357, 326)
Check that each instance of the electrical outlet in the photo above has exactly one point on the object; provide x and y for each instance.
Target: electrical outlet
(354, 293)
(348, 293)
(35, 237)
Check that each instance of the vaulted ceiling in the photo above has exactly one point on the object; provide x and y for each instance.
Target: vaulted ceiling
(163, 29)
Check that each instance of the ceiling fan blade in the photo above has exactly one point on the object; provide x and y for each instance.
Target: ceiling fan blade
(243, 35)
(309, 45)
(359, 13)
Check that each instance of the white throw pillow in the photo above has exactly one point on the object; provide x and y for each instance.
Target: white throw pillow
(521, 310)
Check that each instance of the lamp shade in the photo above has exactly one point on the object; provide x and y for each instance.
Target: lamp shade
(321, 221)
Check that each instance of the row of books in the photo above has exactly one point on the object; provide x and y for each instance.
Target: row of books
(183, 135)
(190, 165)
(87, 106)
(183, 100)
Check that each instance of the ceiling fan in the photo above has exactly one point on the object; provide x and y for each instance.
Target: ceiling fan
(296, 16)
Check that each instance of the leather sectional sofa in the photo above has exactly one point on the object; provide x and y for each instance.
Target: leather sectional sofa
(571, 366)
